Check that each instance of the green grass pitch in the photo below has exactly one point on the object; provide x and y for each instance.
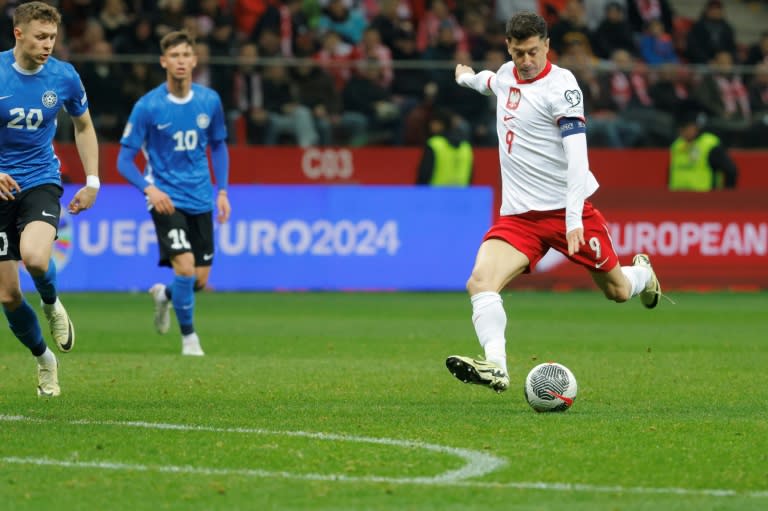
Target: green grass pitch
(332, 401)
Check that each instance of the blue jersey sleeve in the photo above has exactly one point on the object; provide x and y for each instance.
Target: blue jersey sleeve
(77, 102)
(135, 131)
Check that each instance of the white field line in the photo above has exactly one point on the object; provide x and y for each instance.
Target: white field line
(477, 464)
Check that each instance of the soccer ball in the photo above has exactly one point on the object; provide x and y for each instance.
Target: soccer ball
(550, 387)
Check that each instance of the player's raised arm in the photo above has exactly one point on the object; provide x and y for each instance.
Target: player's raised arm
(481, 82)
(88, 149)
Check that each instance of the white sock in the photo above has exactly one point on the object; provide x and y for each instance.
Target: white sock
(47, 358)
(490, 320)
(190, 338)
(638, 277)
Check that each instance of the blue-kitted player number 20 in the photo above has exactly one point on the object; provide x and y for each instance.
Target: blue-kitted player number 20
(33, 118)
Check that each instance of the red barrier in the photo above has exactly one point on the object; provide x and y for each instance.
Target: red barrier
(635, 168)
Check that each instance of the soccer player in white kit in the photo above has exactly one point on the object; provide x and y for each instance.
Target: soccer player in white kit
(546, 182)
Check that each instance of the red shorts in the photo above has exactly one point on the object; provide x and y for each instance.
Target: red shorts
(535, 232)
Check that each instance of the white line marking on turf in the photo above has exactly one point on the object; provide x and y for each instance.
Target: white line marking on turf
(478, 464)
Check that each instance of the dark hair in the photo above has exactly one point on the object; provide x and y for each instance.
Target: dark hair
(176, 38)
(39, 11)
(525, 24)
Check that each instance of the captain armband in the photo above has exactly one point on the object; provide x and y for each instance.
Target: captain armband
(571, 126)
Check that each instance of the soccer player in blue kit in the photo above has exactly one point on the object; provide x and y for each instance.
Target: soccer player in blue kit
(34, 87)
(174, 124)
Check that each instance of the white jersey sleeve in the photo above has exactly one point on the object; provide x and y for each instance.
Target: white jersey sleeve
(567, 102)
(566, 97)
(482, 82)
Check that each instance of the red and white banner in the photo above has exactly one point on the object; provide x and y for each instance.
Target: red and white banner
(717, 240)
(696, 240)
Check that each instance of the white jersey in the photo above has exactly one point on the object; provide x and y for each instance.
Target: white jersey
(534, 167)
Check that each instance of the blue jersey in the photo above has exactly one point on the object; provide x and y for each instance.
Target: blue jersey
(29, 103)
(174, 135)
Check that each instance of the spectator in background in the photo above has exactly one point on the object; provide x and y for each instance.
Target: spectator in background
(551, 10)
(391, 19)
(758, 52)
(710, 34)
(443, 51)
(139, 39)
(248, 94)
(605, 127)
(656, 46)
(7, 40)
(93, 33)
(672, 87)
(287, 116)
(220, 43)
(595, 11)
(349, 23)
(698, 161)
(365, 94)
(103, 80)
(640, 12)
(724, 98)
(335, 125)
(168, 16)
(504, 9)
(269, 44)
(247, 14)
(758, 90)
(287, 20)
(758, 102)
(446, 159)
(409, 80)
(221, 37)
(613, 33)
(202, 74)
(137, 80)
(336, 57)
(114, 18)
(436, 19)
(571, 27)
(477, 33)
(628, 86)
(370, 47)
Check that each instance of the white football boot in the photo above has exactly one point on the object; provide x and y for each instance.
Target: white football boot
(190, 345)
(162, 308)
(650, 295)
(479, 372)
(62, 330)
(48, 379)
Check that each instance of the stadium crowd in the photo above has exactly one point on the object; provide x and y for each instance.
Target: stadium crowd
(355, 72)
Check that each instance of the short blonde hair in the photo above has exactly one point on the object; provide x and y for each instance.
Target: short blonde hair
(39, 11)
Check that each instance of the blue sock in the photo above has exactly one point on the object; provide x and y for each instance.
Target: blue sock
(169, 289)
(46, 284)
(24, 325)
(183, 298)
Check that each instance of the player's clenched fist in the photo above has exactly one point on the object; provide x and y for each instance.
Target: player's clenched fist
(462, 69)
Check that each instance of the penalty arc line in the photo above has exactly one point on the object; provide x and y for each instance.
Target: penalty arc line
(478, 464)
